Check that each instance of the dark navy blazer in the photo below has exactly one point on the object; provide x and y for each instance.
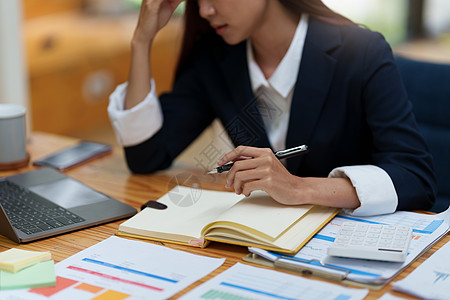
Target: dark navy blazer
(349, 106)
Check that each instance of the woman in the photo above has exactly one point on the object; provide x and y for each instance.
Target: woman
(278, 74)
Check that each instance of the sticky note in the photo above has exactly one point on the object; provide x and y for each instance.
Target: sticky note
(14, 259)
(38, 275)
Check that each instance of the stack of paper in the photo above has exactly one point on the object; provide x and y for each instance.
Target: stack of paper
(26, 269)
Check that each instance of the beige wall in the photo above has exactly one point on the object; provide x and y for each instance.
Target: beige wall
(13, 83)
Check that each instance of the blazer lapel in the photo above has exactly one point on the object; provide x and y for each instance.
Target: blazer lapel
(315, 75)
(246, 127)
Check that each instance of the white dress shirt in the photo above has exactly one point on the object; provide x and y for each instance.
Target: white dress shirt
(374, 187)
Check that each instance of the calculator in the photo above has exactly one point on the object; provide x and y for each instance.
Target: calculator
(372, 241)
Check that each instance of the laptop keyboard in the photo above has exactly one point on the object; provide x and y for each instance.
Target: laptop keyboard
(30, 213)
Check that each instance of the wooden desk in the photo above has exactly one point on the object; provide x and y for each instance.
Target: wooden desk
(111, 176)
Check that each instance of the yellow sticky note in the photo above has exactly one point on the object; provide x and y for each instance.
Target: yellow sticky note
(14, 259)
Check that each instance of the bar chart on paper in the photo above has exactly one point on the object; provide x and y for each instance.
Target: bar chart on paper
(115, 282)
(102, 272)
(441, 277)
(223, 295)
(243, 282)
(431, 279)
(77, 290)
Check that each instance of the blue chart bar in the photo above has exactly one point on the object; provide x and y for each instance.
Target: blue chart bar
(324, 237)
(105, 264)
(440, 277)
(431, 227)
(255, 291)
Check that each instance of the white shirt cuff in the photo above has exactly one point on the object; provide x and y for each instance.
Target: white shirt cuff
(374, 188)
(134, 126)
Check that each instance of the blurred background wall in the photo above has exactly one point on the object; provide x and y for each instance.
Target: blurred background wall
(415, 28)
(13, 73)
(64, 57)
(74, 53)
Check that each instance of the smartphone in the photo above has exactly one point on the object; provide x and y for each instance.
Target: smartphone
(74, 156)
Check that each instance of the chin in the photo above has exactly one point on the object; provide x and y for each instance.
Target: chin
(232, 40)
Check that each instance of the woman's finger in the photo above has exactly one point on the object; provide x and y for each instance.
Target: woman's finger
(243, 151)
(240, 166)
(243, 177)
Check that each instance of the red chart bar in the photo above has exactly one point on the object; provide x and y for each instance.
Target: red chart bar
(61, 284)
(114, 278)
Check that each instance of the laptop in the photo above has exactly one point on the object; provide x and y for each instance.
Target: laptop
(43, 203)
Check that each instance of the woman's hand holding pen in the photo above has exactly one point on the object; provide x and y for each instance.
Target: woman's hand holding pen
(263, 172)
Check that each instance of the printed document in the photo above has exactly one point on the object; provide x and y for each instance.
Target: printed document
(431, 280)
(118, 268)
(248, 282)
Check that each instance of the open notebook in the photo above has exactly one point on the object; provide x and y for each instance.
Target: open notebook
(257, 220)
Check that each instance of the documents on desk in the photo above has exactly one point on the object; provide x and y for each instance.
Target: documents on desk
(312, 259)
(118, 268)
(430, 280)
(195, 217)
(248, 282)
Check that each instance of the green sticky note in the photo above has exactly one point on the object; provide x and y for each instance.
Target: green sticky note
(38, 275)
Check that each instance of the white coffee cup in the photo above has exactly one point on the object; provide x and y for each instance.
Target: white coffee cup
(13, 153)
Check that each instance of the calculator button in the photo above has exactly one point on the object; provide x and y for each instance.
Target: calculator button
(359, 233)
(363, 227)
(348, 225)
(356, 243)
(403, 228)
(373, 235)
(346, 233)
(371, 239)
(369, 243)
(402, 233)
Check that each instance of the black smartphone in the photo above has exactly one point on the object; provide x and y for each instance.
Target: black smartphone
(74, 156)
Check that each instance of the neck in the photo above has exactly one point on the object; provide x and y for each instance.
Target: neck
(272, 39)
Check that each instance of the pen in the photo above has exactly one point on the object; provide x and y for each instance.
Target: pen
(288, 153)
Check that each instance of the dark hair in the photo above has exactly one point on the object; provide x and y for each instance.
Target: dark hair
(316, 8)
(196, 27)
